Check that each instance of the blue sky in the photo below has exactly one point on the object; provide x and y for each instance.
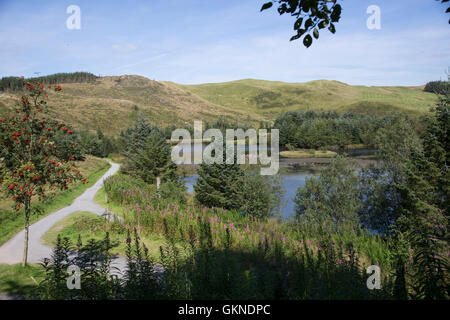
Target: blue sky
(200, 41)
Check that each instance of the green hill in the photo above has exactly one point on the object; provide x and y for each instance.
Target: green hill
(268, 98)
(112, 103)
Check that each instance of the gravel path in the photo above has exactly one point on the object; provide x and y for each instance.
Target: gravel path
(11, 252)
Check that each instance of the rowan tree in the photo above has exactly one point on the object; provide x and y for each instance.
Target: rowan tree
(30, 166)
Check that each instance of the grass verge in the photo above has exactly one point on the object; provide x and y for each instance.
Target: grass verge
(90, 226)
(307, 153)
(17, 280)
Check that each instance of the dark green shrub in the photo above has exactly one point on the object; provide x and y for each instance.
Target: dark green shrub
(438, 87)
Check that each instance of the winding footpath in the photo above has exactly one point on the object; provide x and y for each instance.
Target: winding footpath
(11, 252)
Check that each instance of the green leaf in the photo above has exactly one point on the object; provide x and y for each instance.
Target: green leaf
(336, 14)
(308, 23)
(323, 24)
(282, 9)
(332, 28)
(266, 6)
(305, 6)
(316, 33)
(300, 32)
(298, 23)
(307, 41)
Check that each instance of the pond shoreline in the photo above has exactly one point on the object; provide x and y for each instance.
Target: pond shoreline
(362, 161)
(295, 164)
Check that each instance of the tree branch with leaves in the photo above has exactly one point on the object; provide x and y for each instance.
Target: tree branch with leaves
(30, 165)
(311, 16)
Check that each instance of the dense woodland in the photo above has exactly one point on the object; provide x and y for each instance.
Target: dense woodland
(314, 130)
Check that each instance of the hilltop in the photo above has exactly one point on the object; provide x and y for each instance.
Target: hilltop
(114, 102)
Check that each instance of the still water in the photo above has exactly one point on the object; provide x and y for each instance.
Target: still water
(290, 183)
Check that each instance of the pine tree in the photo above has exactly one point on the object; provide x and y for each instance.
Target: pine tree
(217, 185)
(424, 206)
(136, 137)
(153, 160)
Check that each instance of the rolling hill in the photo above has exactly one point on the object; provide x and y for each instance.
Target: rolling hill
(112, 103)
(268, 98)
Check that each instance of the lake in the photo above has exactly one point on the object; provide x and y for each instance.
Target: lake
(290, 182)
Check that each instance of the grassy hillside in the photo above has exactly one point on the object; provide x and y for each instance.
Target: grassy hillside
(268, 98)
(112, 103)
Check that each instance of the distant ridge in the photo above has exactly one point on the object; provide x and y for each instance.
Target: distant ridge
(114, 102)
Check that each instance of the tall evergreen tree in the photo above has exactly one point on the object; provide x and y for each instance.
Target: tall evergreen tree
(136, 136)
(153, 160)
(218, 185)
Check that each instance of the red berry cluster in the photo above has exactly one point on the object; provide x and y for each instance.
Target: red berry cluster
(31, 165)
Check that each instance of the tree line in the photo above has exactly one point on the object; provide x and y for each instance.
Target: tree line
(438, 87)
(14, 84)
(315, 130)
